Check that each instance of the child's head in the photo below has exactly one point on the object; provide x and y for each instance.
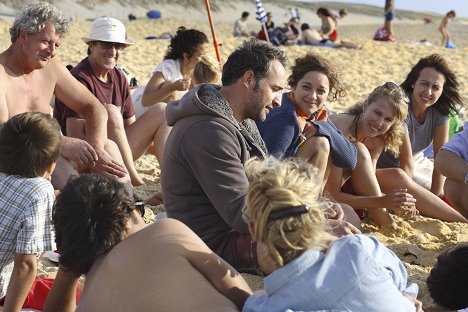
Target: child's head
(206, 71)
(343, 13)
(451, 14)
(448, 278)
(29, 144)
(283, 208)
(90, 217)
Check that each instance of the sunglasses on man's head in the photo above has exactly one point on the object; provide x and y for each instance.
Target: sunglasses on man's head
(140, 205)
(108, 45)
(390, 85)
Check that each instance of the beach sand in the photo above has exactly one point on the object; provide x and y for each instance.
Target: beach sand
(418, 241)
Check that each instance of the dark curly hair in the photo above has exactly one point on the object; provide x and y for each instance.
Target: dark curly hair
(315, 62)
(447, 282)
(89, 217)
(324, 11)
(185, 41)
(451, 99)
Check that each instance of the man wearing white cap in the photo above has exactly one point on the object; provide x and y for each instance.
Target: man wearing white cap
(98, 72)
(30, 75)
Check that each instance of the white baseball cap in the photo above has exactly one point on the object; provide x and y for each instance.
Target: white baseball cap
(107, 29)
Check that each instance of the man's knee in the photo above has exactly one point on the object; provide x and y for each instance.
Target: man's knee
(114, 117)
(62, 172)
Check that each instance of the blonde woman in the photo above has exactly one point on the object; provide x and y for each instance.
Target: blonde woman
(308, 268)
(378, 125)
(206, 71)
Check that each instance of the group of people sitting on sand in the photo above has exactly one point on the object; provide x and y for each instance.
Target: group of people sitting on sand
(254, 179)
(293, 32)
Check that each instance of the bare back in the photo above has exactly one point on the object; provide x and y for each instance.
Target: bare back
(159, 268)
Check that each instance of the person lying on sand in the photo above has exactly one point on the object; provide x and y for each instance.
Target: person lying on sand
(129, 266)
(308, 268)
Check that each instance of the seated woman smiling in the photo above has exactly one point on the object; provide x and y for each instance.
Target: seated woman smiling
(378, 125)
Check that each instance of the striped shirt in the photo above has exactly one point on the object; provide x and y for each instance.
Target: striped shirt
(25, 221)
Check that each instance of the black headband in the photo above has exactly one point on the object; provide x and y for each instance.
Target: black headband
(289, 211)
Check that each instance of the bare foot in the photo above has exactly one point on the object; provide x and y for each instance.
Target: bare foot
(155, 200)
(136, 179)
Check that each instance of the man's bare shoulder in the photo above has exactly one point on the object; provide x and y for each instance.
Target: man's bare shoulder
(3, 61)
(169, 230)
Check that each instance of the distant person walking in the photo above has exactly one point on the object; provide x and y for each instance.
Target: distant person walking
(389, 16)
(446, 42)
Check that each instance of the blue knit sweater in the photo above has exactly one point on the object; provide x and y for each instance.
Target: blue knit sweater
(281, 133)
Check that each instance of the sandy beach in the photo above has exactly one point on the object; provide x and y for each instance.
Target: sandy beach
(418, 241)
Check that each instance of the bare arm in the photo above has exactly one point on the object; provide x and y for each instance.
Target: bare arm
(451, 165)
(440, 138)
(158, 89)
(406, 156)
(22, 278)
(62, 295)
(78, 98)
(217, 271)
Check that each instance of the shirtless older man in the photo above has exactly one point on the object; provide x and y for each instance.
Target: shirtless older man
(29, 76)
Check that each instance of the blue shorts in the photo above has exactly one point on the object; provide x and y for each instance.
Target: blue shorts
(390, 16)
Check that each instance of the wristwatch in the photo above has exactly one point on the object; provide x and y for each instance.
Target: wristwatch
(465, 178)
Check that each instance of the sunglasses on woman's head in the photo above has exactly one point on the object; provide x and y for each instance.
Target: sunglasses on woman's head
(390, 85)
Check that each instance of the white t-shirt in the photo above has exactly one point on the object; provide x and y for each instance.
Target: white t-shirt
(170, 70)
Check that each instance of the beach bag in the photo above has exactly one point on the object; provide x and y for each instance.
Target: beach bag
(279, 36)
(153, 14)
(381, 34)
(450, 45)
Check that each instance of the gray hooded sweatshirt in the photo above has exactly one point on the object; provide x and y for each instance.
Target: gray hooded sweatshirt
(203, 179)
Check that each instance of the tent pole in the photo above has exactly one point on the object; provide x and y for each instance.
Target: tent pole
(215, 43)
